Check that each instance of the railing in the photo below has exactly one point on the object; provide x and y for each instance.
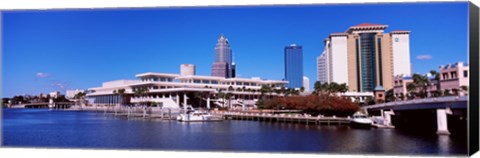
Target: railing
(425, 100)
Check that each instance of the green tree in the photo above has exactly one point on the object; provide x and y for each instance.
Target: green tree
(389, 95)
(421, 81)
(411, 88)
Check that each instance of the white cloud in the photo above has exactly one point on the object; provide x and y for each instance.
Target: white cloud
(424, 57)
(59, 85)
(42, 75)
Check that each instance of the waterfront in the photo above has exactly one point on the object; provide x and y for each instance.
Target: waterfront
(79, 129)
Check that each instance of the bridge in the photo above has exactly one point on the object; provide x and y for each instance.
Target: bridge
(425, 113)
(55, 105)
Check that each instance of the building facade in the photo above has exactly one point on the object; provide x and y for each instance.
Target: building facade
(70, 94)
(293, 56)
(174, 90)
(306, 83)
(222, 65)
(454, 76)
(365, 57)
(187, 69)
(322, 69)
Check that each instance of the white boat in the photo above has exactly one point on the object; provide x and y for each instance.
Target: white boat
(197, 116)
(361, 120)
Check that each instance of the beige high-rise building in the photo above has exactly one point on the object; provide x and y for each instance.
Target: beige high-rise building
(365, 57)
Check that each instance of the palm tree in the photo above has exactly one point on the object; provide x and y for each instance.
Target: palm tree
(437, 78)
(421, 81)
(389, 96)
(302, 89)
(411, 88)
(264, 89)
(220, 94)
(120, 92)
(140, 91)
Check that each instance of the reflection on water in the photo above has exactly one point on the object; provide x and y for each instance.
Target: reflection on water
(71, 129)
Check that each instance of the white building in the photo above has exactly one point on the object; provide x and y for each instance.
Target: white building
(401, 53)
(54, 94)
(322, 67)
(187, 69)
(364, 57)
(70, 94)
(306, 84)
(174, 90)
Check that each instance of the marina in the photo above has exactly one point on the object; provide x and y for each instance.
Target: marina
(89, 129)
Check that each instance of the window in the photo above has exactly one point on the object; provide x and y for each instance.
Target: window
(196, 81)
(396, 39)
(453, 74)
(445, 76)
(214, 82)
(465, 73)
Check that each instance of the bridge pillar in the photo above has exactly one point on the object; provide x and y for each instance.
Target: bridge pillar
(387, 119)
(442, 127)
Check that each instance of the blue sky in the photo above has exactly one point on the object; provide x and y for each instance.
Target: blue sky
(52, 50)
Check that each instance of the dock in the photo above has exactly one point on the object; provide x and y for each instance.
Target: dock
(284, 118)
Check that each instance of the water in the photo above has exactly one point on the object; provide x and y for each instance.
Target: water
(77, 129)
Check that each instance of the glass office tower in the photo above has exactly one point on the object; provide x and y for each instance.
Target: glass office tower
(294, 66)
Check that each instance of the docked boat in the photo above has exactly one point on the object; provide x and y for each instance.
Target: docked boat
(361, 121)
(197, 116)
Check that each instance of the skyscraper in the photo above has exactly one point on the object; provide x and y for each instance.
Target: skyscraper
(306, 84)
(293, 66)
(364, 57)
(222, 66)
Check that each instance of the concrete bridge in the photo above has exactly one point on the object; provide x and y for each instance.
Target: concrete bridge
(55, 105)
(429, 113)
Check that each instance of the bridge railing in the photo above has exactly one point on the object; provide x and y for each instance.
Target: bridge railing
(424, 100)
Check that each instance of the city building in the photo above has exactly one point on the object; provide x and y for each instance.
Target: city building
(306, 84)
(174, 90)
(222, 66)
(187, 69)
(454, 76)
(293, 66)
(70, 94)
(322, 68)
(365, 57)
(54, 94)
(233, 70)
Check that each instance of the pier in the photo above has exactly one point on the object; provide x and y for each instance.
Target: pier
(284, 118)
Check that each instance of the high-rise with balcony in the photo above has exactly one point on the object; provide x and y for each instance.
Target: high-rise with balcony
(222, 66)
(293, 66)
(364, 57)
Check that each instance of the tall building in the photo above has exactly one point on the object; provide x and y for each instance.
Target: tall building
(187, 69)
(222, 66)
(233, 70)
(294, 66)
(322, 68)
(306, 83)
(364, 57)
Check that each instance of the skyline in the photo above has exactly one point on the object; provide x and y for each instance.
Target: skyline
(189, 34)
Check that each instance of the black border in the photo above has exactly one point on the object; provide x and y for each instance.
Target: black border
(473, 109)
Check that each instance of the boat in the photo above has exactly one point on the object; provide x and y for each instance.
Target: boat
(361, 121)
(192, 115)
